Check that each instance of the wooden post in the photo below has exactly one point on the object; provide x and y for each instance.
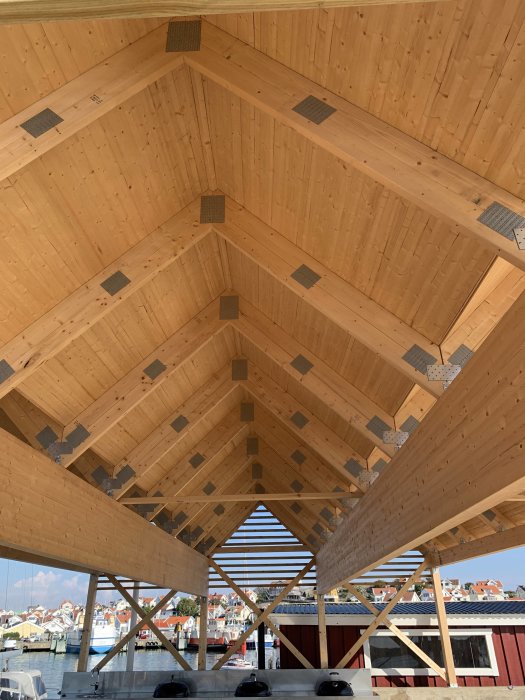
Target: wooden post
(446, 645)
(88, 623)
(203, 633)
(130, 653)
(323, 640)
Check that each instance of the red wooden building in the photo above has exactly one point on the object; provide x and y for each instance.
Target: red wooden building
(488, 641)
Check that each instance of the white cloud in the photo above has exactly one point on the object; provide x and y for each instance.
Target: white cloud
(47, 587)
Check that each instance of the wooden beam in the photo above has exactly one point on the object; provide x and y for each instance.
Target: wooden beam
(496, 293)
(233, 497)
(444, 633)
(326, 384)
(354, 590)
(321, 628)
(66, 321)
(226, 476)
(324, 441)
(381, 616)
(144, 616)
(215, 447)
(203, 632)
(285, 444)
(149, 622)
(278, 465)
(287, 643)
(85, 99)
(46, 10)
(135, 386)
(89, 612)
(376, 328)
(158, 443)
(497, 542)
(263, 616)
(466, 457)
(404, 165)
(49, 512)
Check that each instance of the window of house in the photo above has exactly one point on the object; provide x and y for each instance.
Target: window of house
(472, 649)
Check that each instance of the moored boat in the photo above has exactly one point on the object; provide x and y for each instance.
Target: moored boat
(102, 639)
(237, 661)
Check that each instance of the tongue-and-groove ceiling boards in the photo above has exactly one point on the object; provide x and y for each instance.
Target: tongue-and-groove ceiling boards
(159, 348)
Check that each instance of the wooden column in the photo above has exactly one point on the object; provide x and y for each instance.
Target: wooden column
(130, 653)
(446, 645)
(323, 640)
(88, 623)
(203, 632)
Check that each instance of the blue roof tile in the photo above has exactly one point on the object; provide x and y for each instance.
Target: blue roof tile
(504, 607)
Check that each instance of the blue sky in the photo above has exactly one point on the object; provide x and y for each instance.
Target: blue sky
(24, 584)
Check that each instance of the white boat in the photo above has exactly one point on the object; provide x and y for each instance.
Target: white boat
(103, 638)
(22, 685)
(237, 661)
(10, 644)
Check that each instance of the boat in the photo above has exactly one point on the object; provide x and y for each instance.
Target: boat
(213, 644)
(252, 641)
(22, 685)
(103, 638)
(237, 661)
(10, 644)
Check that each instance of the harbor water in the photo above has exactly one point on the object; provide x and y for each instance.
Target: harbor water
(53, 666)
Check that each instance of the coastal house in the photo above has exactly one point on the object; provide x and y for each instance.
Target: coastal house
(383, 595)
(488, 641)
(24, 629)
(170, 625)
(481, 591)
(426, 595)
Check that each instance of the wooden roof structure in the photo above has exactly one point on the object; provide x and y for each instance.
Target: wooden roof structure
(231, 245)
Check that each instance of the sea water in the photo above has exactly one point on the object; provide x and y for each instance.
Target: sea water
(53, 666)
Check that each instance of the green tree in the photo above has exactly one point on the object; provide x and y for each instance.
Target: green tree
(468, 585)
(263, 594)
(187, 607)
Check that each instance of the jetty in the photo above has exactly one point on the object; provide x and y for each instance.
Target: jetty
(263, 311)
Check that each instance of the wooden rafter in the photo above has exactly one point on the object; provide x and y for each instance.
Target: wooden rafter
(52, 332)
(404, 165)
(135, 549)
(363, 319)
(136, 385)
(164, 438)
(226, 474)
(286, 444)
(214, 448)
(225, 497)
(316, 434)
(482, 546)
(459, 444)
(85, 99)
(326, 384)
(45, 10)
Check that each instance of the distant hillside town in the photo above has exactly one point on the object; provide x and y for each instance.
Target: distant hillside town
(227, 610)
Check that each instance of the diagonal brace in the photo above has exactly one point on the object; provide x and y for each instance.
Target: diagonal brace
(133, 631)
(153, 627)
